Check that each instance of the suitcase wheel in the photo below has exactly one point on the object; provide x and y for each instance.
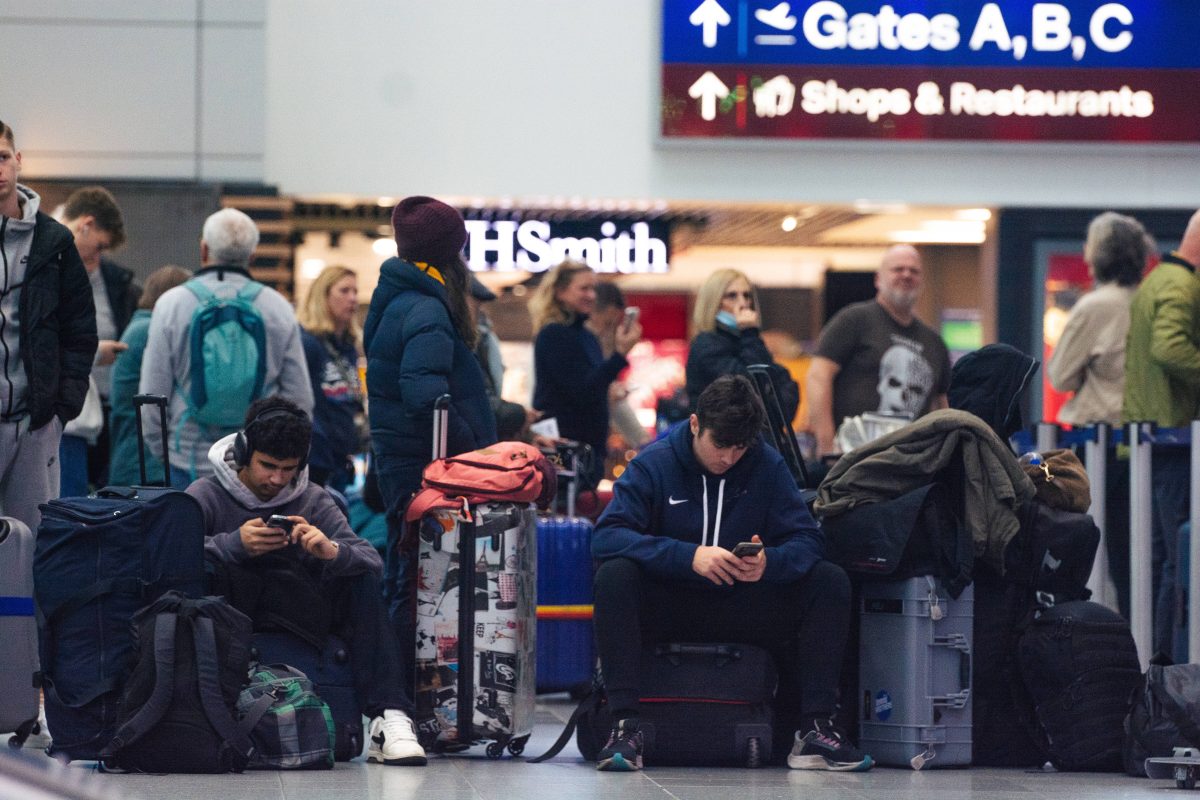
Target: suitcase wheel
(495, 750)
(753, 753)
(517, 746)
(24, 730)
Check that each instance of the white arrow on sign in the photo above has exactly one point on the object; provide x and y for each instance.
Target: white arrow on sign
(708, 90)
(708, 16)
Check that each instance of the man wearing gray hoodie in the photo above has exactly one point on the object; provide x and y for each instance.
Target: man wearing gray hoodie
(259, 479)
(47, 341)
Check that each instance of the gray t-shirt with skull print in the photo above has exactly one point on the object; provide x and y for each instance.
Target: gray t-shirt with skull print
(886, 367)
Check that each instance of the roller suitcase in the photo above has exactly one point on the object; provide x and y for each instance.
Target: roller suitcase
(97, 561)
(566, 649)
(18, 632)
(476, 623)
(915, 673)
(332, 678)
(703, 705)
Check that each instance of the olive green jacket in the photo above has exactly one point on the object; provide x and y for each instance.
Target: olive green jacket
(1162, 352)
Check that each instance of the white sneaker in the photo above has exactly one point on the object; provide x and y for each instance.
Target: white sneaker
(393, 740)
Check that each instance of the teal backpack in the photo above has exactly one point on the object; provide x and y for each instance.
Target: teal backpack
(228, 355)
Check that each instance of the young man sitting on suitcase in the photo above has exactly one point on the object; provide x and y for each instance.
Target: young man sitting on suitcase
(260, 477)
(668, 572)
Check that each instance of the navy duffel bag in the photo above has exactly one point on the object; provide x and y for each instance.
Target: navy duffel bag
(97, 561)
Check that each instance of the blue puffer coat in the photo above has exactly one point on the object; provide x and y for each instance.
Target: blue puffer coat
(414, 355)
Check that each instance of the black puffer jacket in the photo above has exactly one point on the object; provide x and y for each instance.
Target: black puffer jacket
(58, 325)
(991, 384)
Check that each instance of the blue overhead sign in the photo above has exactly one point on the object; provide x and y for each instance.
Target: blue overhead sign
(1157, 34)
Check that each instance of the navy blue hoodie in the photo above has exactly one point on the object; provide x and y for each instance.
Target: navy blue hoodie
(666, 504)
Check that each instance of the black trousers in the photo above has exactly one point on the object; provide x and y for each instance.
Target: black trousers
(804, 624)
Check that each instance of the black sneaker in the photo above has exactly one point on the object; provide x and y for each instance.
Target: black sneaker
(825, 747)
(623, 753)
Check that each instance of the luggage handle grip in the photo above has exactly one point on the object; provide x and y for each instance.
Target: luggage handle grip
(441, 426)
(159, 400)
(674, 651)
(957, 641)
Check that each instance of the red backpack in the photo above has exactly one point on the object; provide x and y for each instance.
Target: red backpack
(506, 471)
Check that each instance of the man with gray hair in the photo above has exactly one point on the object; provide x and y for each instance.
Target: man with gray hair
(877, 356)
(216, 344)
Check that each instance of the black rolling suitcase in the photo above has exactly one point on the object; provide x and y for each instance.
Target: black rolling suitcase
(98, 560)
(701, 705)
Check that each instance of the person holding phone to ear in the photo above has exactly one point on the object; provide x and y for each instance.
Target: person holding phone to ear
(727, 340)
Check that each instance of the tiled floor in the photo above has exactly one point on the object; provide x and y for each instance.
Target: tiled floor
(475, 777)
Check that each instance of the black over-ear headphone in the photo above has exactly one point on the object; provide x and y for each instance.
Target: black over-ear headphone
(241, 442)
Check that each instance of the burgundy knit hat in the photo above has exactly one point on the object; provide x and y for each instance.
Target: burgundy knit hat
(428, 230)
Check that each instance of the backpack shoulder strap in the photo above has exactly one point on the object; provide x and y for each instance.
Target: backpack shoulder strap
(208, 672)
(588, 705)
(249, 291)
(164, 688)
(202, 292)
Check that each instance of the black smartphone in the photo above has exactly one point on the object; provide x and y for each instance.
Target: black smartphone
(745, 549)
(283, 523)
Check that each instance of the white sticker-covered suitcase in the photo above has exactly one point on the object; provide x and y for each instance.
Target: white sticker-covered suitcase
(483, 649)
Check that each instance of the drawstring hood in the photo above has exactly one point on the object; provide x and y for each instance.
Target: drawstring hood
(666, 505)
(720, 508)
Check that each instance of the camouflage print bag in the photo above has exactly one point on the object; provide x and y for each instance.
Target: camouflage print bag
(290, 726)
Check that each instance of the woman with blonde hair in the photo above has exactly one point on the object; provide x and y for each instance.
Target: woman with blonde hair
(572, 375)
(727, 340)
(330, 334)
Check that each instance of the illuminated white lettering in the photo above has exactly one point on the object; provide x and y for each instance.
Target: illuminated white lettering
(991, 27)
(481, 244)
(825, 25)
(1051, 27)
(1101, 17)
(533, 237)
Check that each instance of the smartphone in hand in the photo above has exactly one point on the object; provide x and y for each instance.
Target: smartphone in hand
(283, 523)
(631, 316)
(747, 549)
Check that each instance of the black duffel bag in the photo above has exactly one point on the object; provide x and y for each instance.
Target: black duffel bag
(1164, 715)
(701, 705)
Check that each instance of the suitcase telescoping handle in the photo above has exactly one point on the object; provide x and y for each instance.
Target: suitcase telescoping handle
(721, 653)
(441, 426)
(140, 400)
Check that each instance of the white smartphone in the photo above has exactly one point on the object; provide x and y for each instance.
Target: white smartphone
(631, 316)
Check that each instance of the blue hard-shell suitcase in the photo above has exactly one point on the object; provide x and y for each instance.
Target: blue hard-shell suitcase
(566, 648)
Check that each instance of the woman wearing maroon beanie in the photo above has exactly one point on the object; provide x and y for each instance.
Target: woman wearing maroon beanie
(419, 340)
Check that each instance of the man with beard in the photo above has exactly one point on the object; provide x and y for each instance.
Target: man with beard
(876, 356)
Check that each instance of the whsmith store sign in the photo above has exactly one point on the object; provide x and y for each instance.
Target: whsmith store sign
(1080, 70)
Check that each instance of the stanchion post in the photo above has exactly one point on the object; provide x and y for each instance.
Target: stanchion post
(1095, 452)
(1047, 436)
(1141, 582)
(1193, 595)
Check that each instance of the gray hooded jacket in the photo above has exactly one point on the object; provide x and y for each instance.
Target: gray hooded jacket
(228, 503)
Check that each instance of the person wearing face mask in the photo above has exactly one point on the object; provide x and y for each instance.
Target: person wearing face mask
(727, 339)
(331, 336)
(876, 356)
(572, 374)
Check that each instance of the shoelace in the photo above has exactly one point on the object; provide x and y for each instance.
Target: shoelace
(398, 729)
